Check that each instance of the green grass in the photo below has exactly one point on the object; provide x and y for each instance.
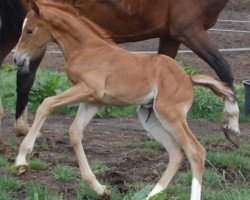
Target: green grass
(9, 183)
(147, 148)
(64, 173)
(37, 164)
(14, 144)
(36, 191)
(99, 167)
(229, 160)
(3, 162)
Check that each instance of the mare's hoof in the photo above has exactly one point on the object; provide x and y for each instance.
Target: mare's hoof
(21, 131)
(232, 136)
(21, 169)
(106, 195)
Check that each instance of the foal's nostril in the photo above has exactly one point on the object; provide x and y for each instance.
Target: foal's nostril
(15, 61)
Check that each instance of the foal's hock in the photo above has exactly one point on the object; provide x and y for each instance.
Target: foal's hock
(104, 74)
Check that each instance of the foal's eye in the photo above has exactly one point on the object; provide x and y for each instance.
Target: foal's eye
(29, 31)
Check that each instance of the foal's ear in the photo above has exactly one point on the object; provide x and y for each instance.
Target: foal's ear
(33, 5)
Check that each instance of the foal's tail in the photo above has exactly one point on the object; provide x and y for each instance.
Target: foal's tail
(231, 108)
(218, 87)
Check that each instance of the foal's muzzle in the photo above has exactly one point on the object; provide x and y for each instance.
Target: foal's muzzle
(22, 61)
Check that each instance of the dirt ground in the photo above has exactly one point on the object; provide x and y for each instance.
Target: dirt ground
(107, 139)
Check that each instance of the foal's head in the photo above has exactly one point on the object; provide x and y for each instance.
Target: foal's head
(34, 38)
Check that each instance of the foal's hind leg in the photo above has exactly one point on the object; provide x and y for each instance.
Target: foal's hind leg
(174, 121)
(154, 127)
(84, 115)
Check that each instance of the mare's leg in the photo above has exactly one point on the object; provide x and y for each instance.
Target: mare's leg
(72, 95)
(154, 127)
(25, 80)
(84, 115)
(198, 41)
(169, 47)
(173, 120)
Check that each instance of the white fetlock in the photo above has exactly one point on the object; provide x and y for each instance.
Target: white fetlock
(21, 128)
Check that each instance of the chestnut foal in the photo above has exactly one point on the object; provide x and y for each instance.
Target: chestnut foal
(104, 74)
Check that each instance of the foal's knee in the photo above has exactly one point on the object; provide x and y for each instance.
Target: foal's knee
(46, 107)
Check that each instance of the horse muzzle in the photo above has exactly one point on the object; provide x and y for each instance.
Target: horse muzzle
(22, 61)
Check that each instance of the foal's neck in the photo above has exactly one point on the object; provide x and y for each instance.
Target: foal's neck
(75, 35)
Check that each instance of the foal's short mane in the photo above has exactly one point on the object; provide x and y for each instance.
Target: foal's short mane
(94, 28)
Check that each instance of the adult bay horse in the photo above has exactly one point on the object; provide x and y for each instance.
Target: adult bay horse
(173, 21)
(104, 74)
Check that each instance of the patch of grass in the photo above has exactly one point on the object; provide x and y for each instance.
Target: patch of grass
(9, 183)
(84, 192)
(37, 164)
(206, 105)
(188, 69)
(36, 191)
(42, 146)
(4, 162)
(234, 194)
(5, 196)
(64, 173)
(12, 169)
(244, 150)
(231, 161)
(14, 144)
(212, 139)
(141, 193)
(152, 144)
(147, 149)
(99, 167)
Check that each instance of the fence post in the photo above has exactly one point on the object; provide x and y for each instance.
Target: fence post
(247, 96)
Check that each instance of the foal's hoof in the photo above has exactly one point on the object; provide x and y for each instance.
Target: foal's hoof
(106, 194)
(232, 136)
(21, 169)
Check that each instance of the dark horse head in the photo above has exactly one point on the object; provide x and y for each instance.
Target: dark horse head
(12, 14)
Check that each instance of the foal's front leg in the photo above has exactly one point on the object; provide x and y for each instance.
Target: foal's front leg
(72, 95)
(84, 115)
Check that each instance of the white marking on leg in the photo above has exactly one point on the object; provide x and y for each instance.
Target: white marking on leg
(21, 125)
(196, 189)
(231, 111)
(157, 189)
